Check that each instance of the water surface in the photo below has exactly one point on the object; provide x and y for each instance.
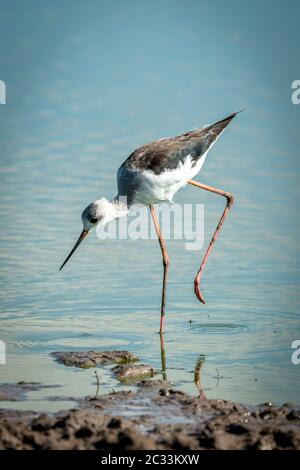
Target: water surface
(84, 90)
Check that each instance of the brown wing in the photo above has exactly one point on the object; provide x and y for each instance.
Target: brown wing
(168, 153)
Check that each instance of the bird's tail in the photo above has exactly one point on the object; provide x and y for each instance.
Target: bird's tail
(224, 122)
(212, 132)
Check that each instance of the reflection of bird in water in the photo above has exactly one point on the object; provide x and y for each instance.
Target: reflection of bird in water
(197, 377)
(97, 382)
(197, 372)
(152, 174)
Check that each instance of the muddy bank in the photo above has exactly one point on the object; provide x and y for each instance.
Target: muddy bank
(18, 391)
(153, 417)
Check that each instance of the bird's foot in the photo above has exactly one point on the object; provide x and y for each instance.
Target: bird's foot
(197, 291)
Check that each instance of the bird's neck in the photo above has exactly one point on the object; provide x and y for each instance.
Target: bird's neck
(118, 208)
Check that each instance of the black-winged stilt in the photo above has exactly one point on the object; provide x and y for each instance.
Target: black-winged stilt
(154, 173)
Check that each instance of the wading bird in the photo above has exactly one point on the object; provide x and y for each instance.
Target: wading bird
(154, 173)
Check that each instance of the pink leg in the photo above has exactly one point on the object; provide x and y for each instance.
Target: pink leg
(230, 200)
(166, 263)
(163, 357)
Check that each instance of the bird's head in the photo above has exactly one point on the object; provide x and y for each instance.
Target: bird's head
(99, 212)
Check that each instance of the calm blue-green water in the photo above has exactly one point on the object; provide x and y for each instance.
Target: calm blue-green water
(87, 82)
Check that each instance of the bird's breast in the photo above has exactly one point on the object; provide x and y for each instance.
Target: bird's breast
(151, 188)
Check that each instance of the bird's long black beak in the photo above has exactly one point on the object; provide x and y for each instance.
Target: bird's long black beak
(82, 236)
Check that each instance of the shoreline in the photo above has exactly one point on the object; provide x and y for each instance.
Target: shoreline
(154, 416)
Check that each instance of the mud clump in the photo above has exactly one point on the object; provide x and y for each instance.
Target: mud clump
(133, 372)
(87, 359)
(154, 417)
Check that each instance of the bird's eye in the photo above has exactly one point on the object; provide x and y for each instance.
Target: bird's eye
(93, 220)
